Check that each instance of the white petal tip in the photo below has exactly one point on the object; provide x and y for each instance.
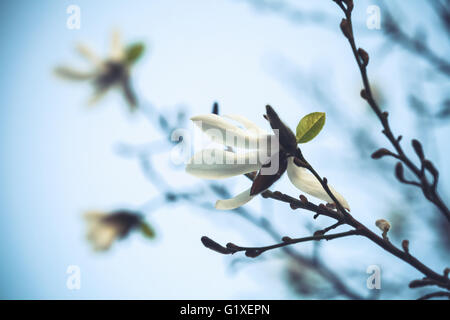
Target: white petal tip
(234, 203)
(204, 117)
(220, 206)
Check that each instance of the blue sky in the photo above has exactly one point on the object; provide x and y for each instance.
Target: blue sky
(59, 159)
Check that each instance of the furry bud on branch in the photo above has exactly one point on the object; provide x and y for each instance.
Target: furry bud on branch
(428, 165)
(252, 253)
(418, 149)
(303, 199)
(399, 172)
(364, 56)
(211, 244)
(405, 245)
(382, 153)
(363, 94)
(345, 28)
(318, 233)
(384, 226)
(231, 246)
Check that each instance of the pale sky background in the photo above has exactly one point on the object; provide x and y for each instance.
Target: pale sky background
(59, 159)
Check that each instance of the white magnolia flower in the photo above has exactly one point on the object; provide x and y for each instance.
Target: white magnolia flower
(113, 71)
(229, 164)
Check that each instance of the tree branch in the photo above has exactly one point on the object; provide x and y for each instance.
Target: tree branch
(429, 189)
(435, 295)
(254, 252)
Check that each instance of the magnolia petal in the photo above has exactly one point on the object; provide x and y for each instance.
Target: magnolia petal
(93, 216)
(87, 53)
(72, 74)
(117, 50)
(302, 179)
(102, 236)
(250, 125)
(219, 164)
(235, 202)
(223, 132)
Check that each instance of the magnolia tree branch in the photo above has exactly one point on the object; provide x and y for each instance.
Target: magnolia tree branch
(347, 219)
(429, 188)
(438, 294)
(341, 215)
(253, 252)
(193, 198)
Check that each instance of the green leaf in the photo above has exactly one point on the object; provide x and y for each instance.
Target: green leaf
(134, 52)
(310, 126)
(147, 230)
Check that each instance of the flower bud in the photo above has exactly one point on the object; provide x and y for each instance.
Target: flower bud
(211, 244)
(399, 172)
(346, 30)
(381, 153)
(363, 94)
(431, 168)
(252, 253)
(405, 246)
(364, 56)
(383, 225)
(418, 149)
(232, 246)
(303, 199)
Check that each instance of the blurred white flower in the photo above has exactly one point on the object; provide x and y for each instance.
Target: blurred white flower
(113, 71)
(228, 164)
(105, 228)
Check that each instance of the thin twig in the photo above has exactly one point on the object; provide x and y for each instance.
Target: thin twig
(286, 241)
(437, 294)
(361, 57)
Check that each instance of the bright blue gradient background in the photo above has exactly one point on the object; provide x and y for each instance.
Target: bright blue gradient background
(58, 156)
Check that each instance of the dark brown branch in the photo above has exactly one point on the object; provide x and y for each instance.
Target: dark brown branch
(366, 232)
(319, 267)
(298, 204)
(323, 231)
(349, 220)
(323, 181)
(429, 189)
(254, 252)
(437, 294)
(423, 283)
